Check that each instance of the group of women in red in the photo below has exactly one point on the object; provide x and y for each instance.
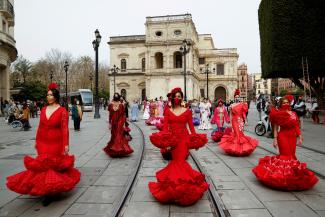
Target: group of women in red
(52, 170)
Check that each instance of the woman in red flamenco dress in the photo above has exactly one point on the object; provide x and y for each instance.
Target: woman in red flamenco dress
(220, 116)
(284, 171)
(118, 146)
(237, 143)
(52, 171)
(178, 182)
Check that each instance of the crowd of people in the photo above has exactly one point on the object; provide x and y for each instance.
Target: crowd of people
(52, 171)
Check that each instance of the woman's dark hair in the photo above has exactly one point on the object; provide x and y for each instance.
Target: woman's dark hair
(116, 97)
(173, 96)
(56, 95)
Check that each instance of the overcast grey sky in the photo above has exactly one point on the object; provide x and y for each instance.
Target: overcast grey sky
(69, 25)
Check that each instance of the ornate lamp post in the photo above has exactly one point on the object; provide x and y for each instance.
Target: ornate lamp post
(66, 67)
(207, 71)
(96, 43)
(185, 48)
(114, 72)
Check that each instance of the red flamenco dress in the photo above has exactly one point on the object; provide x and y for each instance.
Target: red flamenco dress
(284, 171)
(178, 182)
(118, 146)
(52, 171)
(237, 143)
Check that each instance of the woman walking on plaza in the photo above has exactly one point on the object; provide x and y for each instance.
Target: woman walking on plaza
(135, 111)
(284, 171)
(118, 146)
(178, 182)
(237, 143)
(76, 114)
(52, 171)
(220, 116)
(205, 113)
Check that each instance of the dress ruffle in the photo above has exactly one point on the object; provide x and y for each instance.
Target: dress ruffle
(283, 173)
(244, 147)
(166, 153)
(163, 139)
(197, 140)
(45, 175)
(153, 120)
(178, 183)
(118, 150)
(217, 135)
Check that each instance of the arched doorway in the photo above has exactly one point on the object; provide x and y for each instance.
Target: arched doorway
(143, 94)
(123, 93)
(220, 92)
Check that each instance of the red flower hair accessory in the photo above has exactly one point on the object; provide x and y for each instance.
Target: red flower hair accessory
(289, 97)
(52, 86)
(176, 89)
(237, 92)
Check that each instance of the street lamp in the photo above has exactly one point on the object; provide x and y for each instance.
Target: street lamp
(66, 67)
(96, 43)
(207, 71)
(185, 48)
(51, 75)
(114, 71)
(91, 81)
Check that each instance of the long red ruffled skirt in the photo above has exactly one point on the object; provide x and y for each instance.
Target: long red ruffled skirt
(45, 175)
(283, 173)
(244, 147)
(178, 183)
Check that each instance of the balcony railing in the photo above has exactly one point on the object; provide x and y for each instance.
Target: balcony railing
(169, 18)
(6, 6)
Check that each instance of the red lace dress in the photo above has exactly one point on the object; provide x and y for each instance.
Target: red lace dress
(52, 170)
(178, 182)
(284, 171)
(118, 146)
(237, 143)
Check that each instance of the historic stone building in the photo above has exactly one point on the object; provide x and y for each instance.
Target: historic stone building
(243, 80)
(8, 51)
(150, 65)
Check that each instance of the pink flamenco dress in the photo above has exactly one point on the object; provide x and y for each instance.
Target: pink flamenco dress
(118, 146)
(52, 171)
(220, 116)
(237, 143)
(178, 183)
(284, 171)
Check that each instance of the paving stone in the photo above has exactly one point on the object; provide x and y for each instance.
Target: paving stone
(17, 207)
(112, 180)
(219, 178)
(289, 209)
(97, 163)
(321, 213)
(142, 194)
(86, 181)
(230, 185)
(238, 163)
(6, 196)
(144, 180)
(191, 214)
(267, 194)
(249, 213)
(38, 210)
(155, 163)
(315, 201)
(91, 171)
(239, 199)
(99, 194)
(90, 209)
(146, 209)
(199, 207)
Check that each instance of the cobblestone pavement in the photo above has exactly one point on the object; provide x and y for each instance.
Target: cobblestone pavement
(103, 178)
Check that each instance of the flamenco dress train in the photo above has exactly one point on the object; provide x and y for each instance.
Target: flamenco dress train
(178, 182)
(236, 143)
(284, 171)
(52, 171)
(118, 146)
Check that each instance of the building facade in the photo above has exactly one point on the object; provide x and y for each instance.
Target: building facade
(242, 80)
(285, 84)
(151, 65)
(8, 51)
(250, 87)
(262, 86)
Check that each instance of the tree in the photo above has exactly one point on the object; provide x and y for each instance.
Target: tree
(289, 31)
(33, 90)
(23, 68)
